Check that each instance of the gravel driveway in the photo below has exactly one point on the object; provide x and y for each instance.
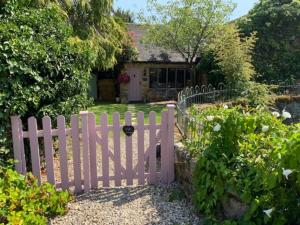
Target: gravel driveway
(130, 206)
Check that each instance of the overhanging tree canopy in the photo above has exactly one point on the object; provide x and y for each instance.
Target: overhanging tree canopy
(92, 21)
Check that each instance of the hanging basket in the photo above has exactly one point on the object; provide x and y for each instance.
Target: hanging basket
(124, 78)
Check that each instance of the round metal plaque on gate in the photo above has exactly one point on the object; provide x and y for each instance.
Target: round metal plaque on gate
(128, 130)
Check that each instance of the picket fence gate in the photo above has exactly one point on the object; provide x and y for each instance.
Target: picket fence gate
(85, 135)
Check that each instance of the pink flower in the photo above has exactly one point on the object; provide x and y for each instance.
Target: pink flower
(124, 78)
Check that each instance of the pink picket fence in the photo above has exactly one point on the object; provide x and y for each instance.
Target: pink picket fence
(90, 155)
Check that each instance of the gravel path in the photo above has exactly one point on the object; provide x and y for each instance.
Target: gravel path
(129, 206)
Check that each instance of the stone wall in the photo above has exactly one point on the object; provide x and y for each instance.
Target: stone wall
(184, 167)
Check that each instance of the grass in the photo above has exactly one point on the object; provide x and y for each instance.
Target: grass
(109, 108)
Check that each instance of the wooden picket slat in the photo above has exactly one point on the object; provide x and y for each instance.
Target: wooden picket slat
(34, 148)
(164, 148)
(76, 153)
(21, 139)
(128, 144)
(85, 148)
(105, 153)
(170, 138)
(93, 154)
(15, 120)
(152, 148)
(117, 152)
(61, 126)
(141, 143)
(48, 149)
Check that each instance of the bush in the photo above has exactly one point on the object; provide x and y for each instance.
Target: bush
(43, 69)
(245, 154)
(255, 94)
(233, 55)
(22, 201)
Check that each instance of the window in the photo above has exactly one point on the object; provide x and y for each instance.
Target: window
(180, 78)
(158, 78)
(153, 78)
(162, 78)
(169, 78)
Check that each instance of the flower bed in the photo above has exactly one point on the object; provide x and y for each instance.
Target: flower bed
(245, 158)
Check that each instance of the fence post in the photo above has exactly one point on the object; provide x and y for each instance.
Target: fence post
(170, 143)
(17, 143)
(86, 156)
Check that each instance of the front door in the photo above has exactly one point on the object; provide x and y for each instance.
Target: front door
(134, 92)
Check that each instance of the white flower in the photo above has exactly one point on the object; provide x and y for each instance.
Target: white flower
(268, 212)
(225, 106)
(286, 173)
(276, 114)
(265, 128)
(286, 115)
(217, 127)
(210, 118)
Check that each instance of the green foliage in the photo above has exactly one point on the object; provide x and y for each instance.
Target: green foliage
(208, 65)
(277, 51)
(125, 15)
(22, 201)
(43, 69)
(233, 55)
(93, 21)
(243, 153)
(185, 26)
(255, 94)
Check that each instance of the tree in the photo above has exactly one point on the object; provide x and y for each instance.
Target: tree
(125, 15)
(93, 21)
(234, 55)
(185, 26)
(277, 51)
(44, 69)
(229, 57)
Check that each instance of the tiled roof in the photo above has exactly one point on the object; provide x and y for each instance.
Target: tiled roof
(151, 53)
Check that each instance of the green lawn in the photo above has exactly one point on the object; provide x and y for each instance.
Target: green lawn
(109, 108)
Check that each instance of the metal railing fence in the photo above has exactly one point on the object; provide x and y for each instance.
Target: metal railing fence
(206, 94)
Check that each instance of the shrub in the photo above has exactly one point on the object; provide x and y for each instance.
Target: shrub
(245, 154)
(233, 55)
(256, 94)
(22, 201)
(43, 69)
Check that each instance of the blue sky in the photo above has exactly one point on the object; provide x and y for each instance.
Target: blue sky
(243, 6)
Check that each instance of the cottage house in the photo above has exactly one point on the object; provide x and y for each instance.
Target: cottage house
(155, 75)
